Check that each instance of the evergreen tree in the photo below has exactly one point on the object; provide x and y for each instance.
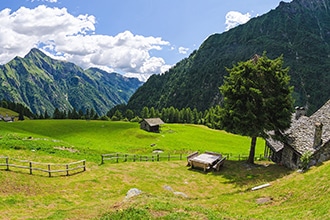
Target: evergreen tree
(129, 114)
(46, 115)
(145, 112)
(21, 116)
(257, 99)
(56, 114)
(152, 112)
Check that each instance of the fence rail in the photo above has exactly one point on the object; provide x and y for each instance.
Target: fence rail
(50, 168)
(120, 157)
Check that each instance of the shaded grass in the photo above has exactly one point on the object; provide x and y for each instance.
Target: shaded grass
(99, 193)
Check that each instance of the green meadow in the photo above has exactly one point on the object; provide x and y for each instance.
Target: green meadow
(168, 189)
(93, 138)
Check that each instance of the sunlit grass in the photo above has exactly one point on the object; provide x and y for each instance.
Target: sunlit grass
(93, 138)
(170, 189)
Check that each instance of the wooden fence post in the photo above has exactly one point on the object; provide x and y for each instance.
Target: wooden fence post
(134, 158)
(30, 167)
(102, 161)
(7, 163)
(84, 164)
(157, 157)
(117, 155)
(49, 171)
(67, 169)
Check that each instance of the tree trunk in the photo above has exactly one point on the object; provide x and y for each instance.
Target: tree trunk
(252, 150)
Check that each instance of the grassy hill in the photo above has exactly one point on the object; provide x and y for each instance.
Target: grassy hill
(170, 190)
(5, 111)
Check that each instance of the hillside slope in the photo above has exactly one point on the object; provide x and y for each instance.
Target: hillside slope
(300, 31)
(43, 84)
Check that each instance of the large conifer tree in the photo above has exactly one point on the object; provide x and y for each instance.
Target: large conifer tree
(257, 98)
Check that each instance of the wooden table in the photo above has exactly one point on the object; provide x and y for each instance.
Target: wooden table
(204, 160)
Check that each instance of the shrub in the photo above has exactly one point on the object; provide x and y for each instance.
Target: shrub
(305, 160)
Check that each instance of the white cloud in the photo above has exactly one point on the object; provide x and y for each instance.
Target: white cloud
(183, 50)
(235, 18)
(64, 36)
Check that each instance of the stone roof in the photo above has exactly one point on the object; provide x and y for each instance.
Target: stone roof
(154, 121)
(301, 133)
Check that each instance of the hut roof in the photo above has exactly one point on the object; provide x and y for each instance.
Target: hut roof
(153, 121)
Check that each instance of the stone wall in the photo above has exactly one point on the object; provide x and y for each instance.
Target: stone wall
(290, 158)
(322, 154)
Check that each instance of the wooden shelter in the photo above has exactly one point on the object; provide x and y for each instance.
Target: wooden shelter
(151, 124)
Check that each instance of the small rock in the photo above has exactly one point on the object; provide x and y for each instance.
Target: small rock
(168, 188)
(264, 200)
(180, 194)
(133, 192)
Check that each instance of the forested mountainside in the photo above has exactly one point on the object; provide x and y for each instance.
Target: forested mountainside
(44, 84)
(299, 30)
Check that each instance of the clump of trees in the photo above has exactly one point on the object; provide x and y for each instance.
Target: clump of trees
(73, 114)
(17, 107)
(171, 114)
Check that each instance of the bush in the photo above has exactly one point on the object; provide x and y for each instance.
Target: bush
(305, 160)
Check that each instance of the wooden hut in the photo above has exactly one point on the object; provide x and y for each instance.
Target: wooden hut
(151, 124)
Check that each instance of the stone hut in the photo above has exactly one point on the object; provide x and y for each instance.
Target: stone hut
(306, 134)
(151, 124)
(7, 118)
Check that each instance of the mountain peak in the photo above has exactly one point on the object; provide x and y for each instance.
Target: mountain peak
(35, 52)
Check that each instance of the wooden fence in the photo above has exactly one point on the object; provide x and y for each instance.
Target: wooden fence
(120, 157)
(50, 168)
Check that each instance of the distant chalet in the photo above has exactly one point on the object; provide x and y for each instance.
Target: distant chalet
(306, 134)
(151, 124)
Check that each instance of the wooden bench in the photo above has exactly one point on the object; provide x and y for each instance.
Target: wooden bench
(190, 156)
(219, 164)
(212, 153)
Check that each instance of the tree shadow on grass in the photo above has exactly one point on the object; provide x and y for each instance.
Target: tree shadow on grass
(241, 173)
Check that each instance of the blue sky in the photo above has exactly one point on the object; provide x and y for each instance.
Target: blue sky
(133, 37)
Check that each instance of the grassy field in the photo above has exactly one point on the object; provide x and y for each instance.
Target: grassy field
(93, 138)
(169, 189)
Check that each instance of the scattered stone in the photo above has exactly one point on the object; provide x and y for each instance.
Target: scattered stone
(168, 188)
(263, 200)
(181, 194)
(66, 149)
(133, 192)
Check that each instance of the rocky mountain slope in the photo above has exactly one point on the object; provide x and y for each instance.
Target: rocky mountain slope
(300, 31)
(43, 84)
